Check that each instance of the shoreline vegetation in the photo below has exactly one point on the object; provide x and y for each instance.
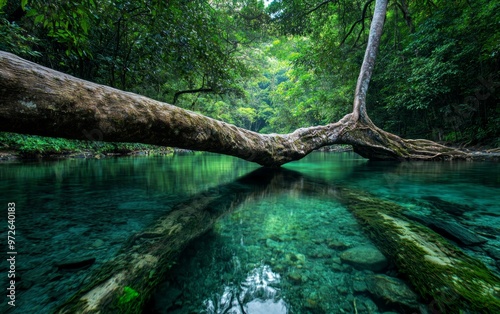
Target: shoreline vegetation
(15, 146)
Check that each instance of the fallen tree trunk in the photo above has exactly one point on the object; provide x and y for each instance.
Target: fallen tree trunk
(125, 283)
(37, 100)
(439, 271)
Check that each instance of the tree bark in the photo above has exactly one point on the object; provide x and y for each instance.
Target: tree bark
(37, 100)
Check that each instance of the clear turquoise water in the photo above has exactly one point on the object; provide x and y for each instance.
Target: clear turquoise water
(271, 254)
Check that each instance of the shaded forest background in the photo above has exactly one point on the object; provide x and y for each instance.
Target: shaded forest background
(276, 66)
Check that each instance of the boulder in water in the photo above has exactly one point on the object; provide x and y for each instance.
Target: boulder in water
(392, 291)
(365, 257)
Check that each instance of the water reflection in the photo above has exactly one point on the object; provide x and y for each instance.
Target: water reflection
(296, 231)
(258, 294)
(276, 253)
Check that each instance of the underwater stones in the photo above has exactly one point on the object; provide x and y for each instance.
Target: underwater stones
(98, 243)
(279, 268)
(336, 245)
(317, 241)
(274, 245)
(295, 259)
(336, 264)
(319, 253)
(313, 301)
(297, 277)
(366, 305)
(359, 284)
(391, 290)
(365, 257)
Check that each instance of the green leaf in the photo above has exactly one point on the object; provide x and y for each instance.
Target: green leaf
(2, 3)
(38, 19)
(23, 4)
(85, 25)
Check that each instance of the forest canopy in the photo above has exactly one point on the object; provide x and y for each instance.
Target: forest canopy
(275, 66)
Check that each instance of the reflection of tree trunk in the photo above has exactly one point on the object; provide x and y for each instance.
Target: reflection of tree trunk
(437, 269)
(125, 283)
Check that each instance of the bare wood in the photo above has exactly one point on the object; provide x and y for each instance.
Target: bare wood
(38, 100)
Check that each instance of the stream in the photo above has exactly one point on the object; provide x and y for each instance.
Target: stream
(294, 249)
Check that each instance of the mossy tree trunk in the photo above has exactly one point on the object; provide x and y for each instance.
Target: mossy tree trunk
(440, 272)
(126, 282)
(41, 101)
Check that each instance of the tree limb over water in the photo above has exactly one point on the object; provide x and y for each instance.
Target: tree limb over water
(38, 100)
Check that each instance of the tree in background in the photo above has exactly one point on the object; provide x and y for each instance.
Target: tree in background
(439, 74)
(73, 105)
(292, 63)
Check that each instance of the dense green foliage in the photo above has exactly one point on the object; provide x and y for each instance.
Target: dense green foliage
(280, 66)
(33, 146)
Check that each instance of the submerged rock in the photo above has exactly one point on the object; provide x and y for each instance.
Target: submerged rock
(274, 245)
(337, 245)
(393, 291)
(365, 257)
(366, 305)
(295, 259)
(359, 285)
(296, 277)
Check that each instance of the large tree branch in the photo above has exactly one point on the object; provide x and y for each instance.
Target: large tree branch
(317, 7)
(191, 91)
(361, 20)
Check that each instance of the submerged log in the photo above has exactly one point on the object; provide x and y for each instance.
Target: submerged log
(125, 283)
(439, 271)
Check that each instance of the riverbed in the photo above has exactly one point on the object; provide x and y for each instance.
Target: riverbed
(286, 251)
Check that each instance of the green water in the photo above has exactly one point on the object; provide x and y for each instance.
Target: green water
(277, 251)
